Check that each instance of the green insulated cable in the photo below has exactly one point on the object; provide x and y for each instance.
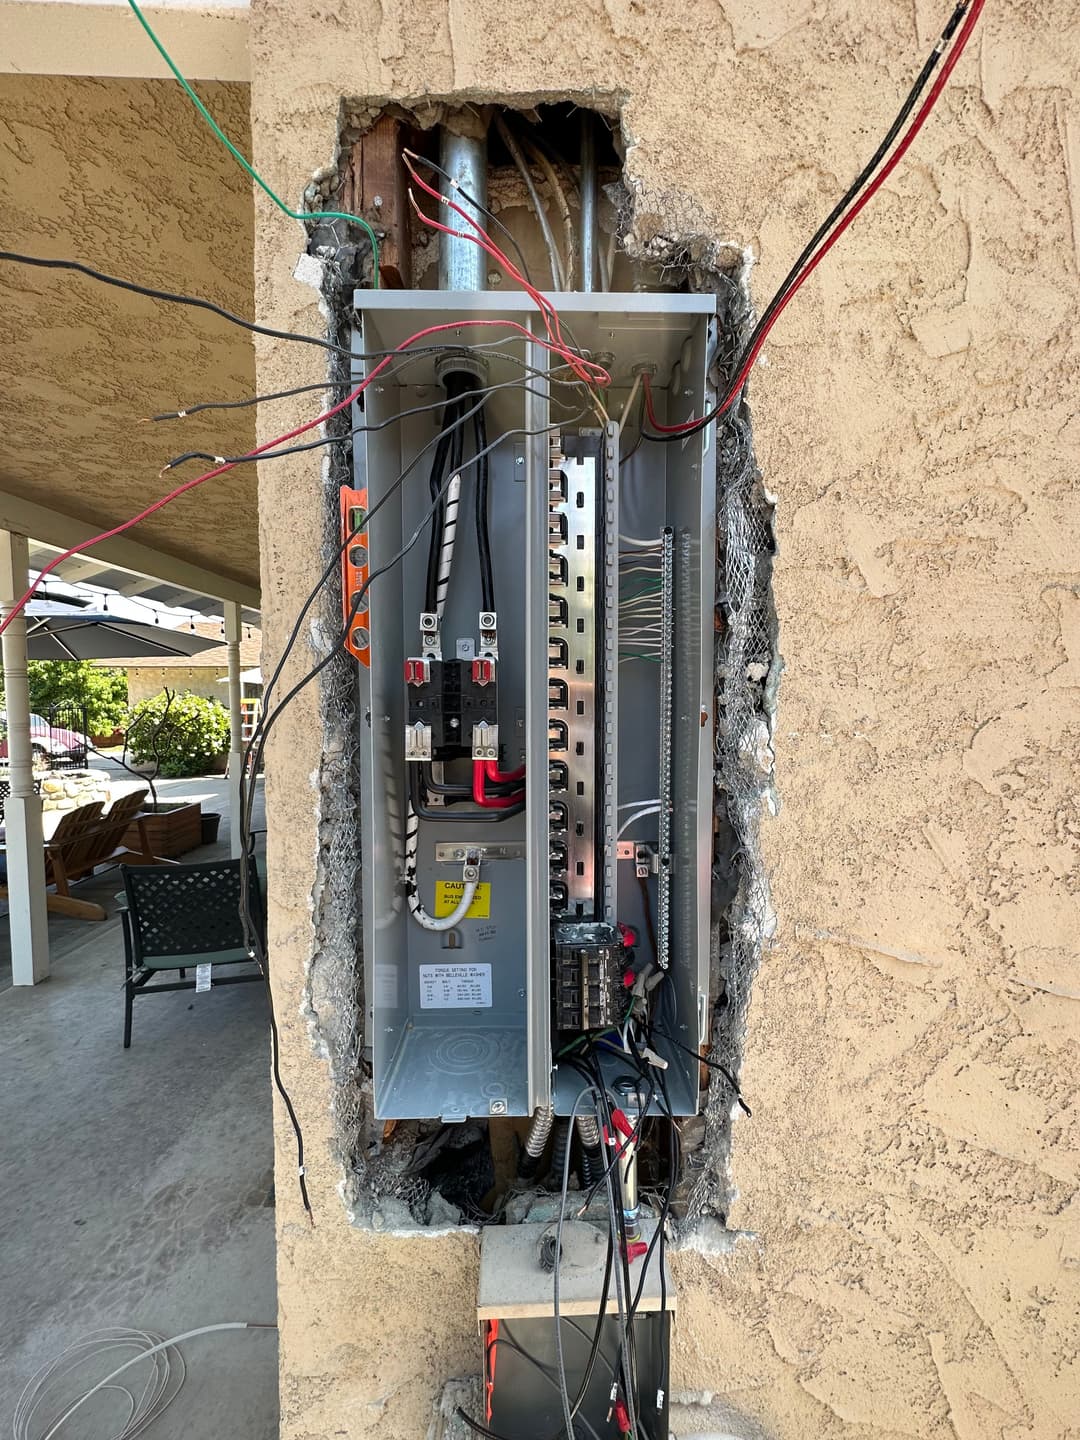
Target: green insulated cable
(242, 160)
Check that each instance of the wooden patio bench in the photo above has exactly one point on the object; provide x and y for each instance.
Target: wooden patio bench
(84, 839)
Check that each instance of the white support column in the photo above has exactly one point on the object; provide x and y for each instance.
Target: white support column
(27, 914)
(233, 630)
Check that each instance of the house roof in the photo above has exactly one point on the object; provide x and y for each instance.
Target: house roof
(216, 658)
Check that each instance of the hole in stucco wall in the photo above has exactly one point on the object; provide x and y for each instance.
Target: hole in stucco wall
(409, 1175)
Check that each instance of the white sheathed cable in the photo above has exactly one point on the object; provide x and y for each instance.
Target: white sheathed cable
(167, 1374)
(412, 897)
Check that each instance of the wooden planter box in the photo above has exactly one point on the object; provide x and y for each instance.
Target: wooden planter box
(171, 828)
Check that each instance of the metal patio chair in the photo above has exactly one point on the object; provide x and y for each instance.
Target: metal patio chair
(177, 917)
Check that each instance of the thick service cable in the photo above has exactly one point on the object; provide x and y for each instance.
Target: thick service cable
(439, 923)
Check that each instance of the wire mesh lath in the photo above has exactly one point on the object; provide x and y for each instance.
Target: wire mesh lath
(747, 669)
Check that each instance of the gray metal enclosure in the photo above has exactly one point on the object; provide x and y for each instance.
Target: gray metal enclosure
(459, 1023)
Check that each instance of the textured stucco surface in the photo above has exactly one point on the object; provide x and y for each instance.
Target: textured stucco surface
(124, 176)
(911, 1166)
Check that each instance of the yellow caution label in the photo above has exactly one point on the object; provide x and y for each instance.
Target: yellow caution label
(448, 895)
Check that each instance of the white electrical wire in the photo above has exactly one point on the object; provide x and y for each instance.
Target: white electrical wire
(412, 896)
(633, 392)
(624, 825)
(167, 1375)
(637, 544)
(446, 550)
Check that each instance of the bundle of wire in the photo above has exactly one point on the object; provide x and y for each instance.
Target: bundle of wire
(862, 190)
(52, 1395)
(640, 603)
(584, 1056)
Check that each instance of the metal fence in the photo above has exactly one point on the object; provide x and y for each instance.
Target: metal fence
(59, 738)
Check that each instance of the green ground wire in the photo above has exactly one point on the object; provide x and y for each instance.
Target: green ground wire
(317, 215)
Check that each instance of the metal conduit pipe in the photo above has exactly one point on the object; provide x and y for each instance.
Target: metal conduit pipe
(462, 264)
(589, 202)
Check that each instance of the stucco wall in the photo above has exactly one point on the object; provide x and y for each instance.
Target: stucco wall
(124, 176)
(911, 1165)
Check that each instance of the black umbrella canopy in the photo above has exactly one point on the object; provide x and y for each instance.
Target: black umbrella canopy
(56, 632)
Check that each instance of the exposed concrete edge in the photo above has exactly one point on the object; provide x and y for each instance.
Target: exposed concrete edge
(107, 41)
(709, 1236)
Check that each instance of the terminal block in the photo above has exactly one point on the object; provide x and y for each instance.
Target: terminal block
(587, 964)
(451, 698)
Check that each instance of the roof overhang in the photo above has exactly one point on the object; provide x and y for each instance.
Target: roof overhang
(122, 564)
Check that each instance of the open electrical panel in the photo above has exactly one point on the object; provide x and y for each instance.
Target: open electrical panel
(537, 731)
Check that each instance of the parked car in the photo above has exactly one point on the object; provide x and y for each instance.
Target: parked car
(52, 745)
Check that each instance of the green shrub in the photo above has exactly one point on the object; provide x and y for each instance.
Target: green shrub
(185, 734)
(102, 692)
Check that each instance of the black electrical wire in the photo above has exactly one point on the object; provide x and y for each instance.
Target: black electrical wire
(712, 1065)
(594, 1078)
(254, 750)
(483, 518)
(341, 437)
(479, 816)
(259, 949)
(838, 211)
(194, 301)
(199, 406)
(251, 761)
(481, 209)
(412, 354)
(449, 423)
(457, 454)
(543, 1370)
(455, 792)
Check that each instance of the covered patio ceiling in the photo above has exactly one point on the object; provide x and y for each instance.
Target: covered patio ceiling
(124, 176)
(88, 570)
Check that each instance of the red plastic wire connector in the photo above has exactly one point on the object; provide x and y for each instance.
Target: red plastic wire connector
(635, 1249)
(622, 1417)
(621, 1121)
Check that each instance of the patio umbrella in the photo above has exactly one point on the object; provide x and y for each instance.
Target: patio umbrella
(56, 632)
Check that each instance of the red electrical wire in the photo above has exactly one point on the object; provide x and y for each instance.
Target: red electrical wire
(811, 265)
(485, 242)
(599, 376)
(480, 795)
(502, 777)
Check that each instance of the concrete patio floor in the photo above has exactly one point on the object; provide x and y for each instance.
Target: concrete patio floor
(137, 1185)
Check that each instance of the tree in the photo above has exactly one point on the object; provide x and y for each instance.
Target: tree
(102, 692)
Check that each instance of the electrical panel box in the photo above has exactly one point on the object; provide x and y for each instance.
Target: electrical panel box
(537, 745)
